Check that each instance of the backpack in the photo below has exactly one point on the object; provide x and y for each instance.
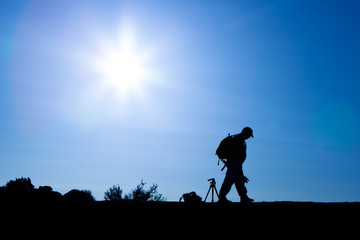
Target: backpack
(191, 197)
(225, 148)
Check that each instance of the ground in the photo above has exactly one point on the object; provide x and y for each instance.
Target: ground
(258, 218)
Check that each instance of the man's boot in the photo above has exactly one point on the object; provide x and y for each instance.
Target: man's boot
(223, 200)
(246, 200)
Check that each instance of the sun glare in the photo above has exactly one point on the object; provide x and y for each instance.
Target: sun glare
(123, 68)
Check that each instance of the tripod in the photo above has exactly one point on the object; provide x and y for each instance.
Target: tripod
(212, 187)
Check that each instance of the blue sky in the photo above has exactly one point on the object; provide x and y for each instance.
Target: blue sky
(99, 93)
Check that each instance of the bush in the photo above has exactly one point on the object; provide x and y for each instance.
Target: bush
(79, 195)
(20, 186)
(140, 194)
(137, 194)
(113, 194)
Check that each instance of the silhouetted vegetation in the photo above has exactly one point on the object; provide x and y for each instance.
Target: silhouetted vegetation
(20, 185)
(140, 194)
(137, 194)
(47, 193)
(21, 189)
(79, 195)
(18, 189)
(113, 194)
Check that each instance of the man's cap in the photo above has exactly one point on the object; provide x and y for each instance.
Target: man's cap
(248, 131)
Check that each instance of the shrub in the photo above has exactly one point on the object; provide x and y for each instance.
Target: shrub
(137, 194)
(20, 185)
(79, 195)
(140, 194)
(113, 194)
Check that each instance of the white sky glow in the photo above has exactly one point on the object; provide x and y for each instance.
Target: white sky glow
(123, 68)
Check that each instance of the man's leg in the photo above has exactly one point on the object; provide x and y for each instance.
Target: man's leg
(240, 187)
(226, 186)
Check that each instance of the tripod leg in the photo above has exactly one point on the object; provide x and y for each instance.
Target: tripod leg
(216, 192)
(212, 194)
(207, 194)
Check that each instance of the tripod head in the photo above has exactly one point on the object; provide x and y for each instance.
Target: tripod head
(212, 181)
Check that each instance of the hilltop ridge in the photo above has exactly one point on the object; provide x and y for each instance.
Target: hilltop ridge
(133, 210)
(143, 218)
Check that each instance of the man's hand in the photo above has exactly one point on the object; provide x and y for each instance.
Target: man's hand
(246, 180)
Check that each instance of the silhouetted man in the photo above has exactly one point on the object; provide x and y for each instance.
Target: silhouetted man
(234, 162)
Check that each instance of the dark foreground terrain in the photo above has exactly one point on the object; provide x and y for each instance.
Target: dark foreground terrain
(174, 218)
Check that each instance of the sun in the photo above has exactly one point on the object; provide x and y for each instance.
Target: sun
(123, 69)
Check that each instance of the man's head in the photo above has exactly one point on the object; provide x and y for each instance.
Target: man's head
(247, 133)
